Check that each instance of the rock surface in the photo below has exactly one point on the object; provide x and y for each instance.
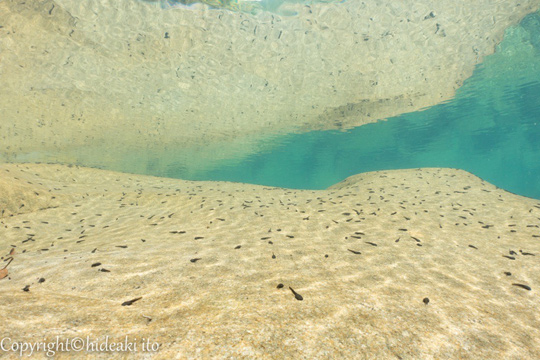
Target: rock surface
(204, 260)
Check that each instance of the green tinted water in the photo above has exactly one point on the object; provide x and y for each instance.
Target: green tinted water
(491, 128)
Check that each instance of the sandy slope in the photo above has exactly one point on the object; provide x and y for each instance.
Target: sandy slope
(436, 233)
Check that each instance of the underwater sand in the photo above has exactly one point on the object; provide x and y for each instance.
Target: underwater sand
(441, 234)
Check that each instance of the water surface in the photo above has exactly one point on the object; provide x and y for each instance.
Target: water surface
(490, 129)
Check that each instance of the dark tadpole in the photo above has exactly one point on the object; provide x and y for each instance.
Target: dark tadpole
(280, 286)
(95, 264)
(426, 300)
(27, 288)
(297, 296)
(355, 252)
(526, 287)
(130, 302)
(195, 260)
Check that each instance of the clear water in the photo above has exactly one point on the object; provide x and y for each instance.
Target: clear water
(491, 129)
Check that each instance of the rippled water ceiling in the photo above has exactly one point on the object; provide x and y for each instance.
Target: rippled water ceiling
(77, 74)
(194, 87)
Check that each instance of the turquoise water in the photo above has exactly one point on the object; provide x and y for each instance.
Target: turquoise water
(491, 129)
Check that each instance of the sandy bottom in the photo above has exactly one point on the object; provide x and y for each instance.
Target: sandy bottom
(206, 259)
